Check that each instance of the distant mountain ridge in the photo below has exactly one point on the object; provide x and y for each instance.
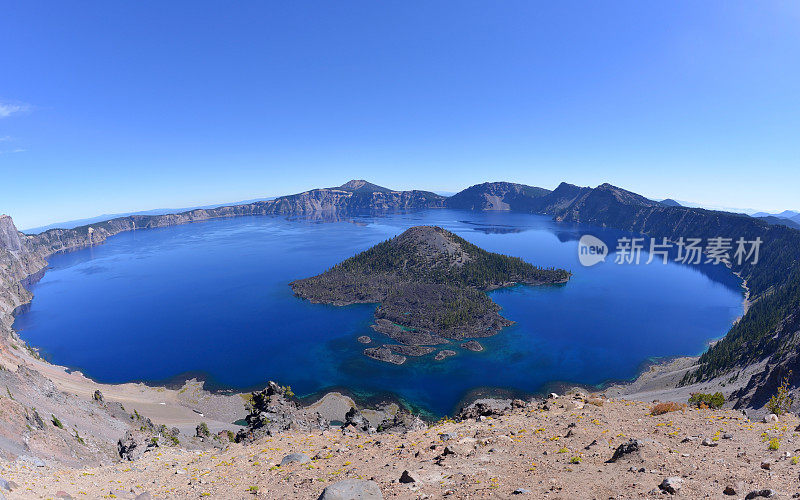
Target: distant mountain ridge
(497, 196)
(786, 214)
(362, 186)
(775, 220)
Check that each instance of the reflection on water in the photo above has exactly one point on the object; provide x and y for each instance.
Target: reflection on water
(213, 298)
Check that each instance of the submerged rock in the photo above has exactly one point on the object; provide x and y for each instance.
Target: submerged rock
(472, 345)
(444, 354)
(364, 339)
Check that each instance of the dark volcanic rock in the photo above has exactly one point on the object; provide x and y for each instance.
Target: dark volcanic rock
(411, 350)
(472, 345)
(384, 354)
(485, 408)
(272, 411)
(134, 445)
(406, 336)
(630, 448)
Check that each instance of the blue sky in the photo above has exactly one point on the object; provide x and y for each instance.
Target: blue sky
(121, 106)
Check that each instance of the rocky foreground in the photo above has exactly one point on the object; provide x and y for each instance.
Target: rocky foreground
(574, 446)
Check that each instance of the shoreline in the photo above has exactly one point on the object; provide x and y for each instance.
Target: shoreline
(75, 381)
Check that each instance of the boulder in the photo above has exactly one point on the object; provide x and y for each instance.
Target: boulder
(133, 445)
(630, 448)
(295, 458)
(352, 489)
(409, 477)
(484, 408)
(771, 418)
(354, 417)
(34, 420)
(35, 461)
(760, 494)
(671, 485)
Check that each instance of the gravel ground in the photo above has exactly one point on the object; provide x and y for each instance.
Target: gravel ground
(544, 450)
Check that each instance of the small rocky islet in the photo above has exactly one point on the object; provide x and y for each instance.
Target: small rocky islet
(431, 287)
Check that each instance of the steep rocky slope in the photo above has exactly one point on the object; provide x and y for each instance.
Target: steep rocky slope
(574, 446)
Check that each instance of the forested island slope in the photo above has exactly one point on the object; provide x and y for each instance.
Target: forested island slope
(430, 285)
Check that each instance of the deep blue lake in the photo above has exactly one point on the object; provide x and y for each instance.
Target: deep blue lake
(212, 298)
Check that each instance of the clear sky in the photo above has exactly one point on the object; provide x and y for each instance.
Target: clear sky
(130, 105)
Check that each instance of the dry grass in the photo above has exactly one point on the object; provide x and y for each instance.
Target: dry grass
(662, 408)
(594, 401)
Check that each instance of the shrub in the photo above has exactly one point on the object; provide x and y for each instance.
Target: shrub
(700, 400)
(782, 400)
(575, 460)
(774, 444)
(202, 430)
(662, 408)
(56, 421)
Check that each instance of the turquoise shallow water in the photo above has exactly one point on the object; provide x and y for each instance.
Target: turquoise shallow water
(213, 299)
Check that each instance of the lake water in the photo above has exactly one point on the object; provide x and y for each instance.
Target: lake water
(212, 299)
